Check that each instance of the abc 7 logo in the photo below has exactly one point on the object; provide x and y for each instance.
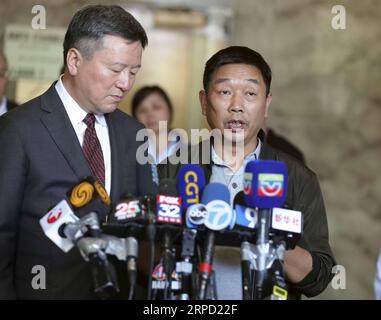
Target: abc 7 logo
(219, 215)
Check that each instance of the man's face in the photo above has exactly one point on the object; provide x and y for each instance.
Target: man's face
(101, 82)
(236, 102)
(3, 76)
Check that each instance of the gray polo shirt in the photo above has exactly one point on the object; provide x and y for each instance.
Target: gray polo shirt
(226, 262)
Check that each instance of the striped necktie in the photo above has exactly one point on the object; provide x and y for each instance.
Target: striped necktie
(92, 150)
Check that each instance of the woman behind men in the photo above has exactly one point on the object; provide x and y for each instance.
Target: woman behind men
(150, 106)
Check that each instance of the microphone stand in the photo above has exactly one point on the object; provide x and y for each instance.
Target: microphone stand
(149, 203)
(280, 290)
(261, 255)
(168, 264)
(93, 250)
(187, 252)
(132, 254)
(246, 271)
(207, 281)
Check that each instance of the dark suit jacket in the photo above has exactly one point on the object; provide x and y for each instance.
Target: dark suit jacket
(40, 160)
(11, 105)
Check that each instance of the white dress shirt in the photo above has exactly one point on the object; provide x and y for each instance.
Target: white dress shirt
(76, 115)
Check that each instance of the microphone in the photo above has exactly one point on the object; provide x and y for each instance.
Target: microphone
(90, 196)
(191, 183)
(132, 256)
(128, 209)
(196, 215)
(168, 203)
(86, 196)
(149, 209)
(93, 250)
(128, 212)
(285, 223)
(216, 198)
(265, 184)
(169, 214)
(65, 229)
(53, 222)
(246, 218)
(265, 187)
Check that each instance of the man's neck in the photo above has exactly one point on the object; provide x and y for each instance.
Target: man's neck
(233, 155)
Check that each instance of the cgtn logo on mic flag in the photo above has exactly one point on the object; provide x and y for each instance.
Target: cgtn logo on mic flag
(270, 185)
(191, 182)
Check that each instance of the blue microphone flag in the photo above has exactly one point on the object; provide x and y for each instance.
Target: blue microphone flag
(265, 184)
(191, 183)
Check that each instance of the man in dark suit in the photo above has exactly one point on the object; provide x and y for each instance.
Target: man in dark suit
(45, 150)
(5, 103)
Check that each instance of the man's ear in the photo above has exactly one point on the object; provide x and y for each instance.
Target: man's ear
(268, 101)
(203, 102)
(73, 60)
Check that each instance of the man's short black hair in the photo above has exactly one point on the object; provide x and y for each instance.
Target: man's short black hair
(90, 24)
(237, 54)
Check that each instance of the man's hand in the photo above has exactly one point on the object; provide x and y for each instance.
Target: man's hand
(297, 264)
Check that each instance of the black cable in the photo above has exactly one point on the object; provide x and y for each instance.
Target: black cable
(151, 238)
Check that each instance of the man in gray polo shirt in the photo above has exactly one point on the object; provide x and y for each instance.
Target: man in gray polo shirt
(235, 101)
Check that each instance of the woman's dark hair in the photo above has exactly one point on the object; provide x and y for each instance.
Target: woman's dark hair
(237, 54)
(143, 93)
(90, 24)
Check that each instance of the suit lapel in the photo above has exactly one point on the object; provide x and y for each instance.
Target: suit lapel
(57, 122)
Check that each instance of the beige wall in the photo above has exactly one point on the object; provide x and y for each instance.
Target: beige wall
(163, 65)
(326, 99)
